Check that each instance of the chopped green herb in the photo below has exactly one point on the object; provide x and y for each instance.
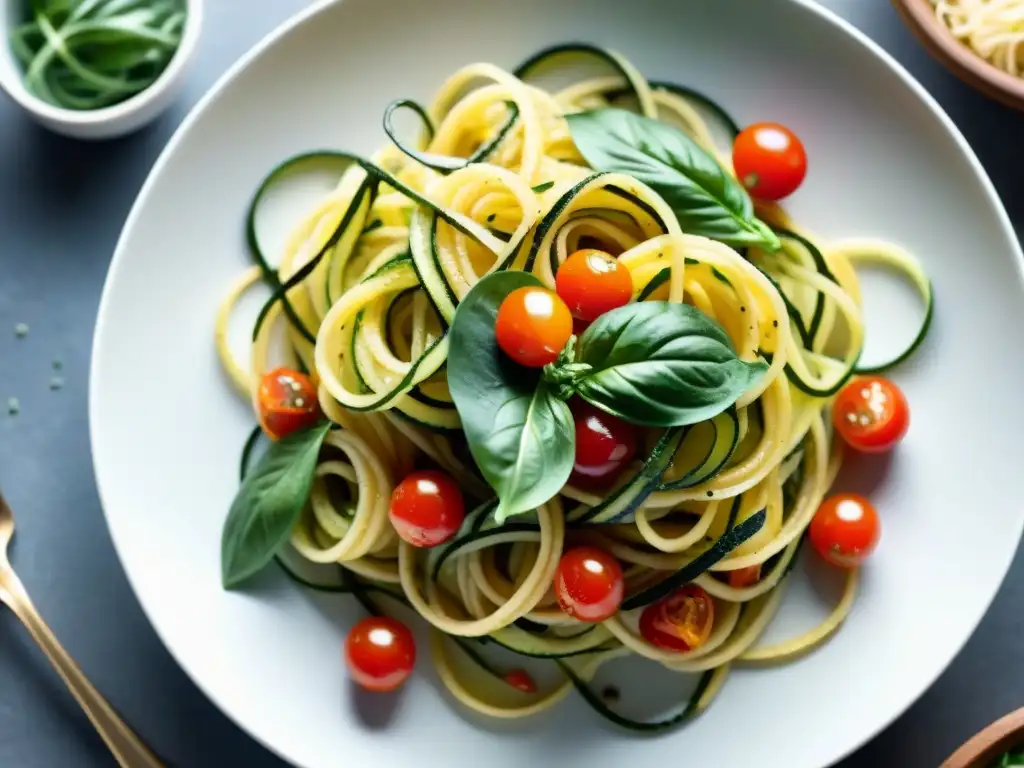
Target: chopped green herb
(543, 187)
(722, 278)
(492, 217)
(375, 224)
(21, 330)
(1015, 757)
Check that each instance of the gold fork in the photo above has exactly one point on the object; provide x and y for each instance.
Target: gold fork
(126, 747)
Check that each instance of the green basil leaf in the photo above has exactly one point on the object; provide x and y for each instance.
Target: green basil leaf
(661, 364)
(520, 434)
(705, 198)
(268, 504)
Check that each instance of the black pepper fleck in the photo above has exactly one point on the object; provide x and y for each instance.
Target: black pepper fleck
(743, 309)
(775, 323)
(710, 494)
(610, 694)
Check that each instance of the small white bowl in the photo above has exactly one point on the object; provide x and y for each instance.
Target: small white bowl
(107, 122)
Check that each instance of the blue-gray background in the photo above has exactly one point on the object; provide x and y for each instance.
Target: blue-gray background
(62, 205)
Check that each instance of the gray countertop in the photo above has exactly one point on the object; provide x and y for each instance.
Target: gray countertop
(62, 205)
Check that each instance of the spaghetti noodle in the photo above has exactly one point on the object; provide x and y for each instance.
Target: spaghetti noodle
(369, 284)
(994, 29)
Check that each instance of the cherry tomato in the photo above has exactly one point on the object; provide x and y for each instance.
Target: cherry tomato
(533, 326)
(744, 577)
(871, 414)
(521, 680)
(845, 529)
(604, 443)
(769, 160)
(579, 326)
(593, 282)
(589, 584)
(680, 622)
(380, 652)
(427, 508)
(287, 402)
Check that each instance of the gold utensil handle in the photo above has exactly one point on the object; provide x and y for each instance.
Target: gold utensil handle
(126, 747)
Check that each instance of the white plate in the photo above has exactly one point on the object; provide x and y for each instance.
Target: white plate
(884, 161)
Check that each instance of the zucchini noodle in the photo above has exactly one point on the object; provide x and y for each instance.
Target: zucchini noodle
(368, 284)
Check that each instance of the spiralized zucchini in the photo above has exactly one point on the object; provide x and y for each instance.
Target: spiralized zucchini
(369, 281)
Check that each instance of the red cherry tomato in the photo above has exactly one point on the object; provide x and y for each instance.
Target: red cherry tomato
(769, 160)
(744, 577)
(287, 403)
(427, 508)
(871, 414)
(380, 653)
(521, 680)
(845, 529)
(680, 622)
(589, 584)
(604, 443)
(579, 326)
(593, 282)
(533, 326)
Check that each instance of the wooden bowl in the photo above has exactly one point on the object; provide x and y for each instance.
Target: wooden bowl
(958, 58)
(989, 744)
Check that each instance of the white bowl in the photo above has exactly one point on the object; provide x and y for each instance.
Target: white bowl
(108, 122)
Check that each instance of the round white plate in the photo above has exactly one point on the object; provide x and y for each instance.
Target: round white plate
(884, 160)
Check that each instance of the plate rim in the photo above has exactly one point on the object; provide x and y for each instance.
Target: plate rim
(306, 15)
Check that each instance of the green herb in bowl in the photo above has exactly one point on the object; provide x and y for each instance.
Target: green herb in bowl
(89, 54)
(1011, 758)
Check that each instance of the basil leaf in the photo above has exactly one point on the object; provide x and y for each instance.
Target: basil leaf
(268, 504)
(705, 198)
(661, 364)
(520, 434)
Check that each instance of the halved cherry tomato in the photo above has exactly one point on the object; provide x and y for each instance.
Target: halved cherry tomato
(380, 653)
(521, 680)
(533, 326)
(744, 577)
(871, 414)
(845, 529)
(287, 402)
(592, 282)
(769, 160)
(589, 584)
(427, 508)
(604, 443)
(680, 622)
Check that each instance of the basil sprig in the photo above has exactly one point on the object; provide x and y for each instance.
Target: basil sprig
(268, 504)
(520, 434)
(705, 198)
(651, 363)
(661, 364)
